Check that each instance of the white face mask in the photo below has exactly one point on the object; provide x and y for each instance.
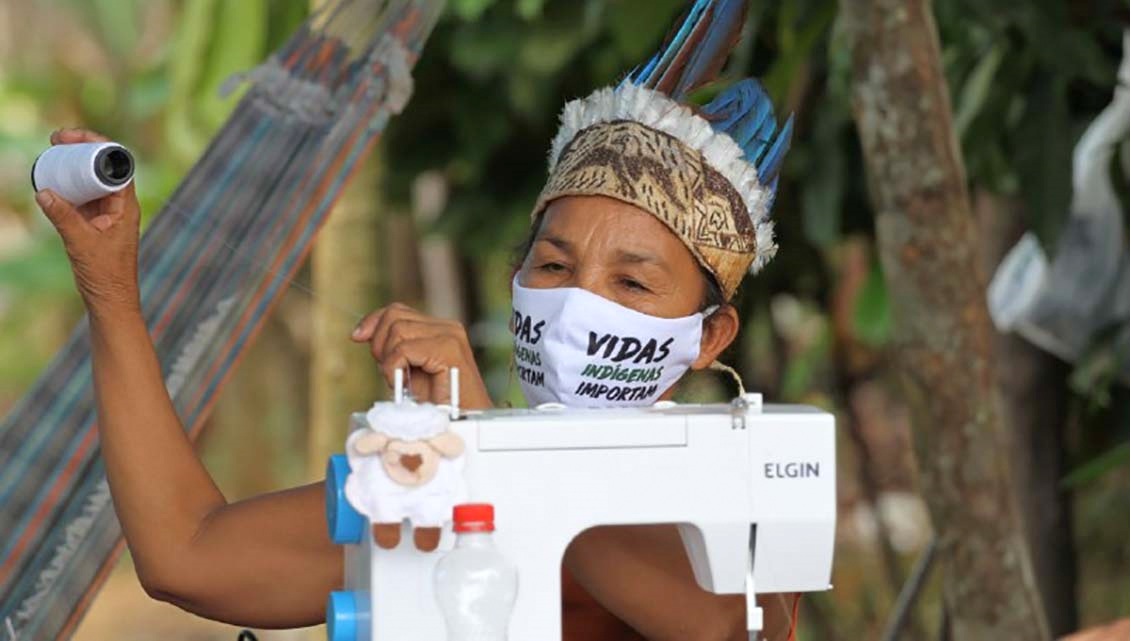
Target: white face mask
(579, 349)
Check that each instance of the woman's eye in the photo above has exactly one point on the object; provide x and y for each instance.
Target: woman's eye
(552, 267)
(634, 285)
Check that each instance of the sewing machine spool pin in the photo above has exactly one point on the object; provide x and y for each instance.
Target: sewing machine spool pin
(402, 389)
(398, 386)
(402, 385)
(453, 393)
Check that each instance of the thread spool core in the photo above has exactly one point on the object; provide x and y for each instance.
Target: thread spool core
(114, 166)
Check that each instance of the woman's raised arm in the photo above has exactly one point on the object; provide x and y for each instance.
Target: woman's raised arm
(264, 562)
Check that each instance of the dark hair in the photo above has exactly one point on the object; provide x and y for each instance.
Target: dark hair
(714, 296)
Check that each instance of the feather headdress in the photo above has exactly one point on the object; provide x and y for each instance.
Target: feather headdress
(710, 174)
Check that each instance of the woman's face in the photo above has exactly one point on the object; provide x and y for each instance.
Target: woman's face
(624, 254)
(616, 251)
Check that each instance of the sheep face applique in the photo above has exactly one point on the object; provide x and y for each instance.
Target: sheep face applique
(405, 464)
(414, 463)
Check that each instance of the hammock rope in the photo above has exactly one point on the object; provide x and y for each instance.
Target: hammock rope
(268, 179)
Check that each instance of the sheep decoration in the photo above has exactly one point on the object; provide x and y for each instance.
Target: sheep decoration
(406, 464)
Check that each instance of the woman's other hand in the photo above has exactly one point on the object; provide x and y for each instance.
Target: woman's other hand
(101, 239)
(402, 338)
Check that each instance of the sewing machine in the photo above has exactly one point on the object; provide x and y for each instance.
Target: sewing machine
(752, 489)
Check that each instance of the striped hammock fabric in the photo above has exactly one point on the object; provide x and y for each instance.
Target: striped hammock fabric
(312, 111)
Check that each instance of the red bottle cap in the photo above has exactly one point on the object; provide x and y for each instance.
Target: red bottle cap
(474, 517)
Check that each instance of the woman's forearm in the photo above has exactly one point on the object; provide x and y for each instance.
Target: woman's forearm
(642, 575)
(162, 492)
(264, 562)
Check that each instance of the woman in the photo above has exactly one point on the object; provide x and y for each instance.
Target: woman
(651, 216)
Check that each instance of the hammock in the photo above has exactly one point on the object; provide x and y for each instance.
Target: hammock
(312, 111)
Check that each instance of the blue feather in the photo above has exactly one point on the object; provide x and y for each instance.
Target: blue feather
(640, 73)
(751, 130)
(724, 15)
(630, 77)
(743, 111)
(763, 137)
(771, 163)
(727, 109)
(772, 190)
(659, 63)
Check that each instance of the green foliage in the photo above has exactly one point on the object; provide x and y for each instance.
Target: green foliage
(1027, 78)
(36, 272)
(156, 92)
(872, 316)
(529, 9)
(117, 22)
(470, 9)
(1114, 459)
(213, 41)
(485, 111)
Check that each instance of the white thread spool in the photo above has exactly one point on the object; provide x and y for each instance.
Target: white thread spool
(83, 172)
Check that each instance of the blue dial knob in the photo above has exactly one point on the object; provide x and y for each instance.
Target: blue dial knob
(346, 613)
(346, 524)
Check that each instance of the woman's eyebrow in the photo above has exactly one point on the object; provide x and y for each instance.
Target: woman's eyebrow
(624, 256)
(558, 242)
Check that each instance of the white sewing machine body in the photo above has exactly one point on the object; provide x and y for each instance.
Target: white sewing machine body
(740, 480)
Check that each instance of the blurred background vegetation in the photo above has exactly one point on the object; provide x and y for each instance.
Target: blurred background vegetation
(447, 198)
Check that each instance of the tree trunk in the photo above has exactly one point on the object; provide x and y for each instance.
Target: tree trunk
(942, 337)
(1034, 388)
(439, 262)
(346, 282)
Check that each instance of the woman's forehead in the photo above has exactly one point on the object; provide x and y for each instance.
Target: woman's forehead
(584, 224)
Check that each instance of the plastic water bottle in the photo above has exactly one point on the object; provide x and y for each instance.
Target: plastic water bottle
(474, 584)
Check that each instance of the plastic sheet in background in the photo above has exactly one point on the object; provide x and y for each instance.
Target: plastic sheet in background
(267, 181)
(1064, 306)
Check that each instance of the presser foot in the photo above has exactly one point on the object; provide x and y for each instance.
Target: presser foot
(754, 624)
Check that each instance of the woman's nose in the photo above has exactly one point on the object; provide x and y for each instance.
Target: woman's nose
(590, 280)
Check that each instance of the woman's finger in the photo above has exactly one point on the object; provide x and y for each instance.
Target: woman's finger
(419, 383)
(364, 328)
(404, 329)
(113, 209)
(368, 325)
(430, 356)
(72, 135)
(395, 313)
(119, 206)
(67, 220)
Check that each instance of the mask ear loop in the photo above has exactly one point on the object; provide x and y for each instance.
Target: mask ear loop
(720, 367)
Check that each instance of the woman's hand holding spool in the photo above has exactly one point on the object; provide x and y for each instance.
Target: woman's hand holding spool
(101, 239)
(400, 337)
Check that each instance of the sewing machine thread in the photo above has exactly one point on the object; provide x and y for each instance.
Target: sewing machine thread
(83, 172)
